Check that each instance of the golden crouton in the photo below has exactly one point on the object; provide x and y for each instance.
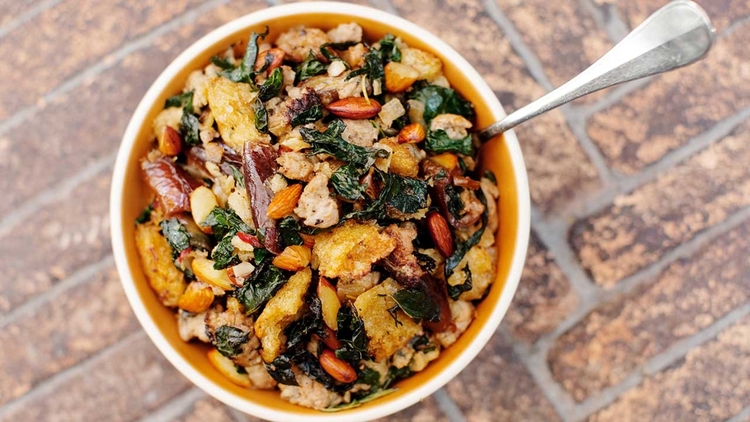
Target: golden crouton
(156, 257)
(386, 335)
(428, 66)
(403, 162)
(482, 273)
(350, 250)
(232, 106)
(281, 311)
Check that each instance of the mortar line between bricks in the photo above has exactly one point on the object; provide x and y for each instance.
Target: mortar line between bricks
(733, 27)
(578, 126)
(80, 277)
(175, 407)
(740, 417)
(57, 381)
(108, 62)
(53, 193)
(27, 16)
(535, 67)
(449, 407)
(615, 27)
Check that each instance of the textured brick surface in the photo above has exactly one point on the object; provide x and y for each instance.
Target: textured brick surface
(124, 384)
(641, 227)
(74, 325)
(88, 123)
(206, 409)
(675, 107)
(711, 384)
(557, 165)
(55, 45)
(687, 297)
(424, 411)
(11, 10)
(55, 242)
(497, 387)
(723, 13)
(544, 296)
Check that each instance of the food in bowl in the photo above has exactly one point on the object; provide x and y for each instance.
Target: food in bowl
(317, 217)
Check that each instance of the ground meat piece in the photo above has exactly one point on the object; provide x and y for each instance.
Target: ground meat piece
(316, 206)
(259, 375)
(309, 393)
(295, 165)
(279, 122)
(192, 326)
(299, 41)
(462, 313)
(330, 88)
(401, 263)
(360, 132)
(346, 32)
(453, 125)
(473, 209)
(234, 316)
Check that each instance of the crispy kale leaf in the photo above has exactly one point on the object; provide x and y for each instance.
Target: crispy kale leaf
(229, 340)
(271, 86)
(330, 142)
(352, 336)
(455, 291)
(309, 68)
(262, 285)
(439, 141)
(261, 115)
(245, 72)
(417, 304)
(439, 100)
(176, 234)
(463, 247)
(225, 224)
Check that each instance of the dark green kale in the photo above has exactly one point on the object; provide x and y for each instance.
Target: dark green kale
(271, 86)
(223, 253)
(455, 291)
(266, 280)
(439, 141)
(298, 333)
(281, 370)
(224, 221)
(373, 68)
(338, 46)
(490, 175)
(330, 142)
(309, 68)
(309, 115)
(395, 374)
(223, 63)
(190, 128)
(389, 49)
(425, 261)
(229, 340)
(145, 215)
(351, 334)
(439, 100)
(310, 366)
(289, 229)
(463, 247)
(181, 100)
(405, 194)
(417, 304)
(239, 178)
(261, 115)
(345, 181)
(246, 70)
(176, 234)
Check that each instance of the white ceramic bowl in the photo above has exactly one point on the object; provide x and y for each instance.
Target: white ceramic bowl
(129, 196)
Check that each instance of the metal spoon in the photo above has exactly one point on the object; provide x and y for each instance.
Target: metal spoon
(676, 35)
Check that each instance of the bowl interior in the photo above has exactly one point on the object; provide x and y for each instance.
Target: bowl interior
(496, 156)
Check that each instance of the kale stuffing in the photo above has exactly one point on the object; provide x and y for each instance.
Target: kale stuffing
(417, 304)
(439, 141)
(229, 340)
(330, 142)
(440, 100)
(246, 70)
(176, 234)
(266, 280)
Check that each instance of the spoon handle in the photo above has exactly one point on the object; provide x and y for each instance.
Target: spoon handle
(676, 35)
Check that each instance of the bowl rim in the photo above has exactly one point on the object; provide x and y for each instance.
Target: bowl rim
(118, 180)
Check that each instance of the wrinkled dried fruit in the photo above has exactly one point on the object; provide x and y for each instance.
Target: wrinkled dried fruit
(411, 134)
(170, 142)
(204, 271)
(293, 258)
(337, 368)
(399, 77)
(202, 202)
(227, 368)
(284, 201)
(274, 57)
(250, 239)
(355, 108)
(330, 303)
(197, 298)
(440, 233)
(447, 160)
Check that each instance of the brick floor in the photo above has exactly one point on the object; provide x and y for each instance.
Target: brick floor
(634, 301)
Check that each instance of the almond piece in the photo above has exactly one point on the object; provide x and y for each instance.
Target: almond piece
(399, 77)
(273, 56)
(204, 271)
(337, 368)
(284, 201)
(293, 258)
(170, 142)
(411, 134)
(447, 160)
(329, 303)
(355, 108)
(202, 202)
(307, 240)
(197, 298)
(440, 233)
(227, 368)
(330, 339)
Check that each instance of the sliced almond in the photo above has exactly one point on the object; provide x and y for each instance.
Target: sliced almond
(228, 369)
(330, 303)
(170, 142)
(440, 233)
(355, 108)
(284, 201)
(202, 202)
(204, 271)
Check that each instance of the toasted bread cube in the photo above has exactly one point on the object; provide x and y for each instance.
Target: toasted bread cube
(280, 311)
(482, 269)
(403, 162)
(385, 334)
(232, 106)
(350, 250)
(428, 66)
(156, 257)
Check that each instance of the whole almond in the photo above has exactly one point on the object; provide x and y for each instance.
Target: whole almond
(284, 202)
(330, 339)
(355, 108)
(274, 57)
(293, 258)
(197, 298)
(170, 142)
(440, 233)
(337, 368)
(411, 134)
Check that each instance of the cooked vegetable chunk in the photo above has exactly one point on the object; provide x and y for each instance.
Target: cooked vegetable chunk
(156, 258)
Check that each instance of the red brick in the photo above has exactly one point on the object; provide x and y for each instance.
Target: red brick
(710, 384)
(55, 241)
(425, 411)
(687, 297)
(123, 385)
(497, 387)
(544, 296)
(723, 13)
(675, 107)
(558, 167)
(207, 409)
(63, 332)
(56, 44)
(640, 227)
(11, 10)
